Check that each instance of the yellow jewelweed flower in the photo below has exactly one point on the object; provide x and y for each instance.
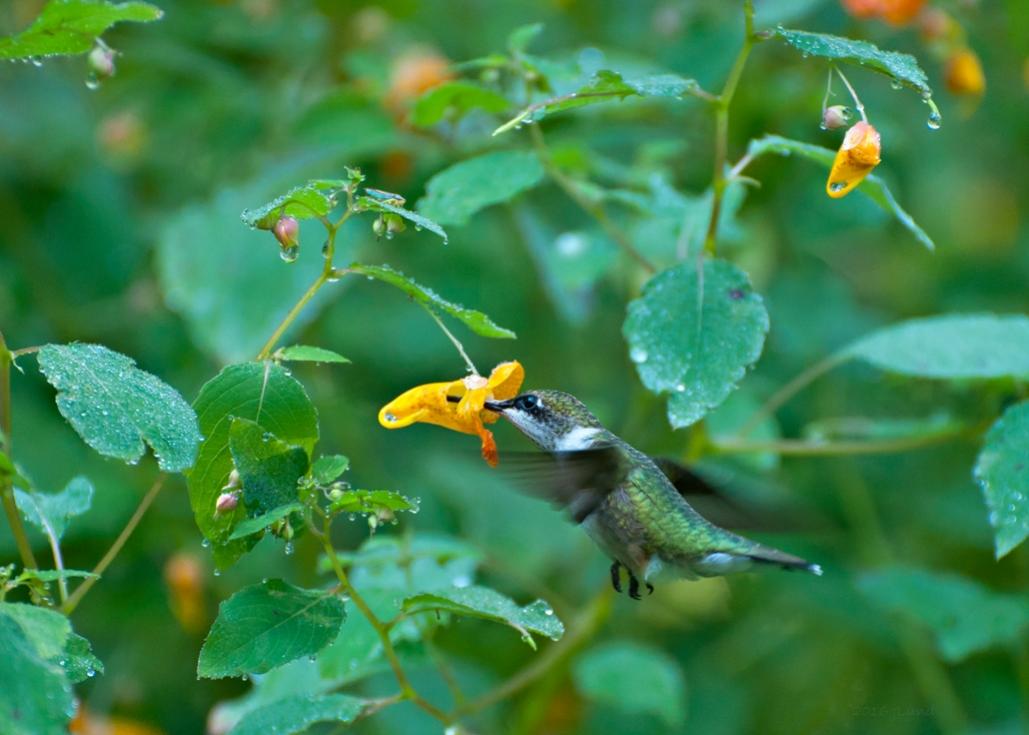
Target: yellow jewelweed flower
(858, 155)
(964, 73)
(457, 405)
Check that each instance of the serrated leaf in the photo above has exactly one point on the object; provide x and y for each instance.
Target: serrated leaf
(605, 86)
(474, 320)
(695, 347)
(952, 346)
(454, 100)
(902, 68)
(314, 199)
(261, 392)
(268, 467)
(114, 406)
(249, 526)
(295, 714)
(1002, 471)
(305, 353)
(50, 634)
(873, 186)
(327, 468)
(456, 193)
(36, 698)
(482, 602)
(420, 221)
(371, 501)
(964, 616)
(66, 27)
(52, 575)
(56, 509)
(633, 678)
(266, 625)
(78, 661)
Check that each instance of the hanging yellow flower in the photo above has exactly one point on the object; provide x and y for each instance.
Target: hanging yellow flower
(964, 73)
(457, 405)
(858, 155)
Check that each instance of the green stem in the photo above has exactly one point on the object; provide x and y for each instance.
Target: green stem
(21, 539)
(76, 597)
(591, 208)
(719, 181)
(454, 340)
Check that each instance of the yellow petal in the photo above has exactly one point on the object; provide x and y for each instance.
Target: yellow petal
(858, 155)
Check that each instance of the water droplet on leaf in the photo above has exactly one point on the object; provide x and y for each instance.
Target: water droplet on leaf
(934, 120)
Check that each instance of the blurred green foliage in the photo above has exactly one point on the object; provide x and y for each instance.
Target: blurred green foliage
(120, 225)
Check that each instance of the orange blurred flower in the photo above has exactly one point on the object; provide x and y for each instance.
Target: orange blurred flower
(184, 575)
(862, 8)
(414, 72)
(457, 405)
(894, 12)
(964, 73)
(858, 155)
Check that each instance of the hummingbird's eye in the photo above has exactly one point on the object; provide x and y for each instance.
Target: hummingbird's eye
(527, 402)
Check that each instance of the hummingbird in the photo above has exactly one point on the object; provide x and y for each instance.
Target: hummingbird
(627, 501)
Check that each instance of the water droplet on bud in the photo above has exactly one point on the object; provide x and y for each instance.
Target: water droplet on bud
(934, 120)
(290, 254)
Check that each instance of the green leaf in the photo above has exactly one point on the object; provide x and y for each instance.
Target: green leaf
(1002, 471)
(36, 698)
(482, 602)
(250, 526)
(692, 345)
(268, 467)
(305, 353)
(314, 199)
(964, 616)
(67, 27)
(78, 660)
(902, 68)
(953, 346)
(474, 320)
(634, 678)
(606, 85)
(327, 468)
(266, 625)
(454, 100)
(296, 714)
(261, 392)
(52, 575)
(519, 39)
(114, 406)
(371, 501)
(375, 204)
(8, 469)
(56, 509)
(873, 187)
(456, 193)
(52, 638)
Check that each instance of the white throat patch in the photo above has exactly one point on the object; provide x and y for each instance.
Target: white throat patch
(581, 437)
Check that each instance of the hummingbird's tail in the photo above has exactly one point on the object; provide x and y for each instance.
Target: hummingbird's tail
(767, 555)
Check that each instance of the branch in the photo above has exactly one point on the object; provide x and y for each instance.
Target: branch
(21, 539)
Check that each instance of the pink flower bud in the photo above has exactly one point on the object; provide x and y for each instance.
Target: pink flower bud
(835, 117)
(226, 502)
(287, 232)
(101, 61)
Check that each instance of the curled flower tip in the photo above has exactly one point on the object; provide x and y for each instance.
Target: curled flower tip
(835, 117)
(858, 154)
(287, 232)
(964, 73)
(225, 503)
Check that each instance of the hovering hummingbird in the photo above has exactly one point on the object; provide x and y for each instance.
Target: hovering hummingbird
(626, 501)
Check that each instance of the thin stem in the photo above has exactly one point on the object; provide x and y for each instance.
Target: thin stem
(21, 539)
(456, 342)
(828, 93)
(15, 354)
(591, 208)
(857, 100)
(719, 181)
(781, 396)
(808, 448)
(382, 629)
(76, 597)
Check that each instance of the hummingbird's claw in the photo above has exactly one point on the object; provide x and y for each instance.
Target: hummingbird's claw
(650, 588)
(616, 576)
(634, 587)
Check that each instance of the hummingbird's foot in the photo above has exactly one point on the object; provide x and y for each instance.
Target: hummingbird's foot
(634, 587)
(616, 575)
(650, 588)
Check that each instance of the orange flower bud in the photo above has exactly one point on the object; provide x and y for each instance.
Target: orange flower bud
(858, 155)
(964, 73)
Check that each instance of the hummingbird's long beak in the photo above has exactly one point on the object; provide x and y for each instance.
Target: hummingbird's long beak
(498, 406)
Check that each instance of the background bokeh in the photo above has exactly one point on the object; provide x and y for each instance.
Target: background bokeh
(119, 224)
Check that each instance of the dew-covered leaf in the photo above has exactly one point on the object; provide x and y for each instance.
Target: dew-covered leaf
(115, 407)
(56, 509)
(36, 698)
(606, 85)
(634, 678)
(873, 186)
(52, 575)
(383, 204)
(314, 199)
(695, 345)
(1002, 471)
(79, 662)
(249, 526)
(474, 320)
(268, 467)
(371, 501)
(296, 714)
(952, 346)
(482, 602)
(964, 616)
(456, 193)
(902, 68)
(261, 392)
(327, 468)
(266, 625)
(306, 353)
(66, 27)
(50, 634)
(454, 100)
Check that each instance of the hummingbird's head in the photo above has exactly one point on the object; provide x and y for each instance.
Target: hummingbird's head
(554, 420)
